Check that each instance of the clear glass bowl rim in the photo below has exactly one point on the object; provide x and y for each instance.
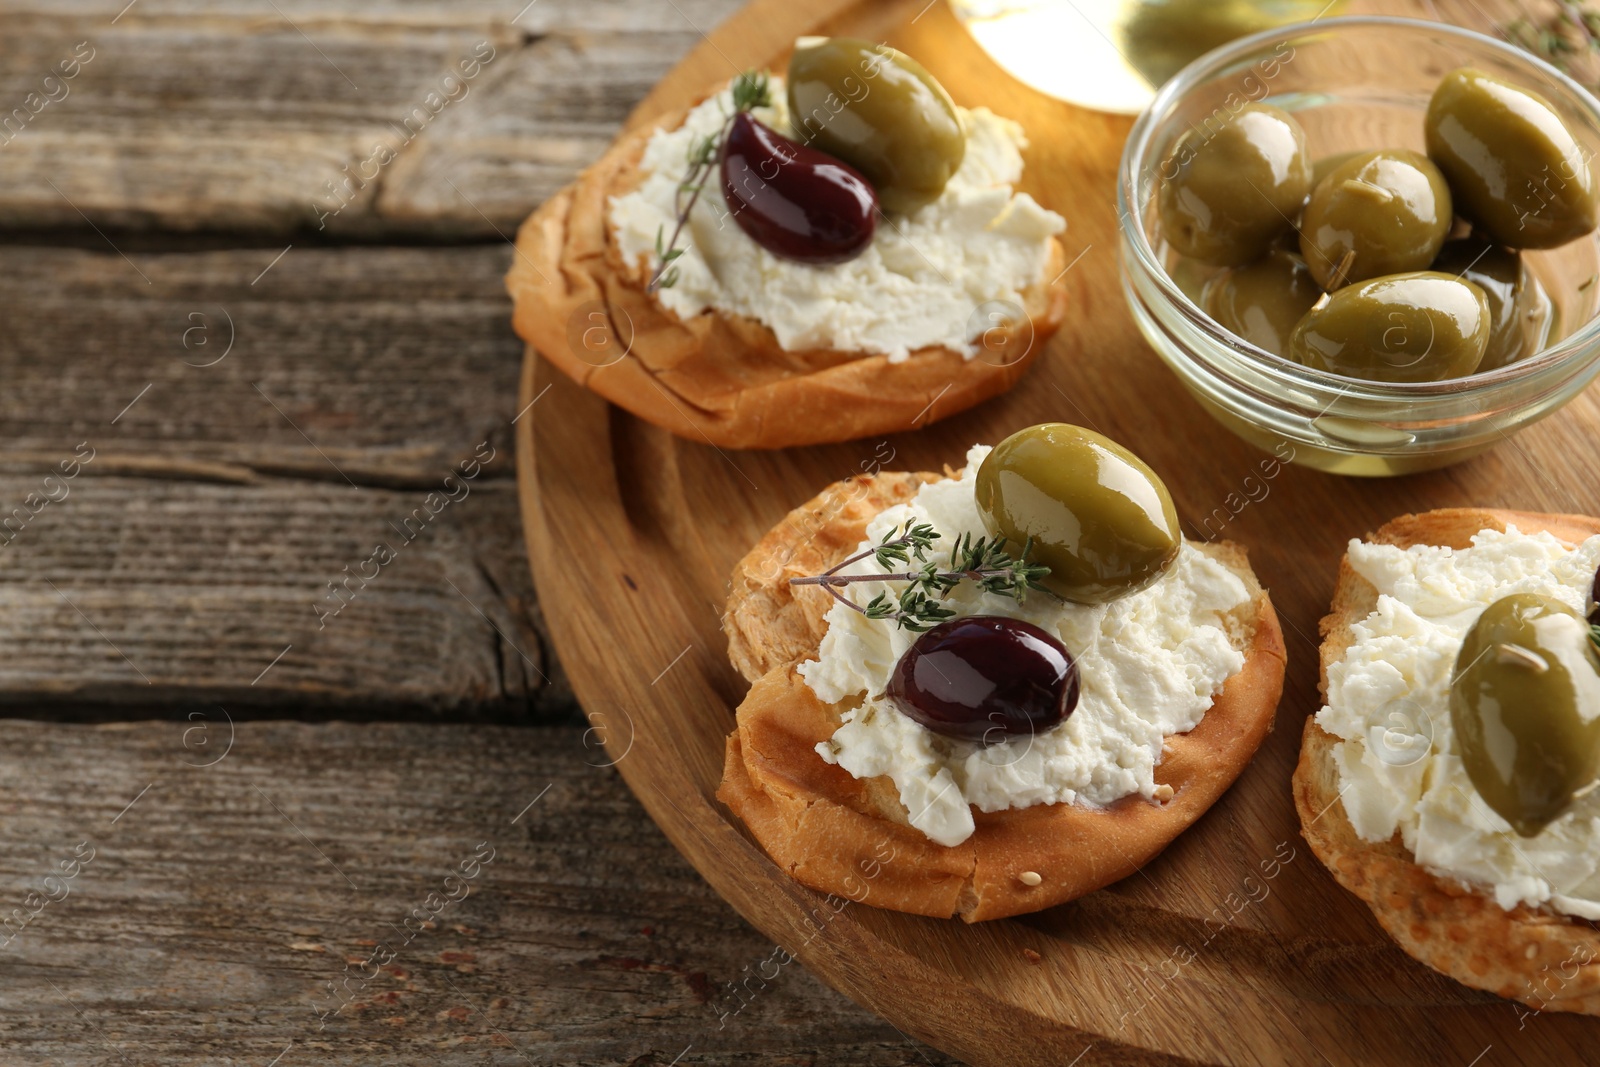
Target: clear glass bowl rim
(1130, 210)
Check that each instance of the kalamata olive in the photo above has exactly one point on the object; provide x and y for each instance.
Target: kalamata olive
(1376, 213)
(792, 200)
(985, 678)
(1519, 307)
(1226, 193)
(880, 111)
(1099, 518)
(1263, 301)
(1517, 171)
(1594, 599)
(1525, 706)
(1421, 327)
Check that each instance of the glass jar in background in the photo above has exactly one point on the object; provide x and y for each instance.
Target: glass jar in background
(1112, 55)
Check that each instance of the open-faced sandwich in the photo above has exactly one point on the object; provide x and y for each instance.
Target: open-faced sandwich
(1449, 780)
(822, 256)
(992, 691)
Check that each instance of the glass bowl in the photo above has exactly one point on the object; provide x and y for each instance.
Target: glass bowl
(1353, 83)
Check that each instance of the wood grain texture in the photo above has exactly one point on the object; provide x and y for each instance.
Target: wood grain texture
(1234, 946)
(244, 115)
(255, 436)
(354, 366)
(147, 592)
(198, 538)
(221, 902)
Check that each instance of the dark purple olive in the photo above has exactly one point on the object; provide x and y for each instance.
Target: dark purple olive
(985, 678)
(794, 201)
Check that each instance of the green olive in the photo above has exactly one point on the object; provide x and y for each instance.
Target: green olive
(1517, 171)
(879, 111)
(1227, 192)
(1422, 327)
(1325, 166)
(1098, 517)
(1160, 39)
(1519, 307)
(1525, 706)
(1192, 276)
(1263, 301)
(1376, 213)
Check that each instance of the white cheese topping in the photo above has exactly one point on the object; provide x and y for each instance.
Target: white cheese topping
(1388, 700)
(919, 283)
(1149, 665)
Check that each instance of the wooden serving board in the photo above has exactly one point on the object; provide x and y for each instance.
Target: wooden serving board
(1234, 946)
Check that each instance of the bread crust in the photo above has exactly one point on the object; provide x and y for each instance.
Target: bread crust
(722, 378)
(851, 836)
(1546, 960)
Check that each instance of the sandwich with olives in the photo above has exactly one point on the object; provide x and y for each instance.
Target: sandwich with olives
(816, 256)
(1450, 779)
(994, 690)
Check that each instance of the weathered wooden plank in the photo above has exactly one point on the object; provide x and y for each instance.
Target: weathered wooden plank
(218, 903)
(373, 366)
(254, 114)
(134, 591)
(238, 440)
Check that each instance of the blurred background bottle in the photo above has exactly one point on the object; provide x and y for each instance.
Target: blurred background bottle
(1112, 55)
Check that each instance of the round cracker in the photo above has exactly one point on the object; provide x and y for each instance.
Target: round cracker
(724, 378)
(1547, 960)
(852, 837)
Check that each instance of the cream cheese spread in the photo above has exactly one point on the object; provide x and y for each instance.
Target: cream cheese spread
(920, 282)
(1400, 769)
(1149, 665)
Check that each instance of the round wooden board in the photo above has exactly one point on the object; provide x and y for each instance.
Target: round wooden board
(1234, 946)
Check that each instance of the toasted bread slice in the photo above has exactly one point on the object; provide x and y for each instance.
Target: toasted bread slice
(851, 836)
(1538, 956)
(723, 378)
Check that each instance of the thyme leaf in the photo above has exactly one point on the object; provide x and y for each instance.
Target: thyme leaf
(750, 90)
(983, 561)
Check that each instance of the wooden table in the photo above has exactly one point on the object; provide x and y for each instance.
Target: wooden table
(328, 804)
(275, 775)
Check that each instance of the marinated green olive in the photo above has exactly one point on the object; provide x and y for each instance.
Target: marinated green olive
(1227, 193)
(1160, 39)
(1518, 172)
(1525, 706)
(1519, 307)
(1325, 166)
(879, 111)
(1376, 213)
(1263, 301)
(1192, 276)
(1422, 327)
(1098, 517)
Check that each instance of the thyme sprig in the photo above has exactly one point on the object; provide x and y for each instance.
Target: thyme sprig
(750, 90)
(1562, 39)
(983, 561)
